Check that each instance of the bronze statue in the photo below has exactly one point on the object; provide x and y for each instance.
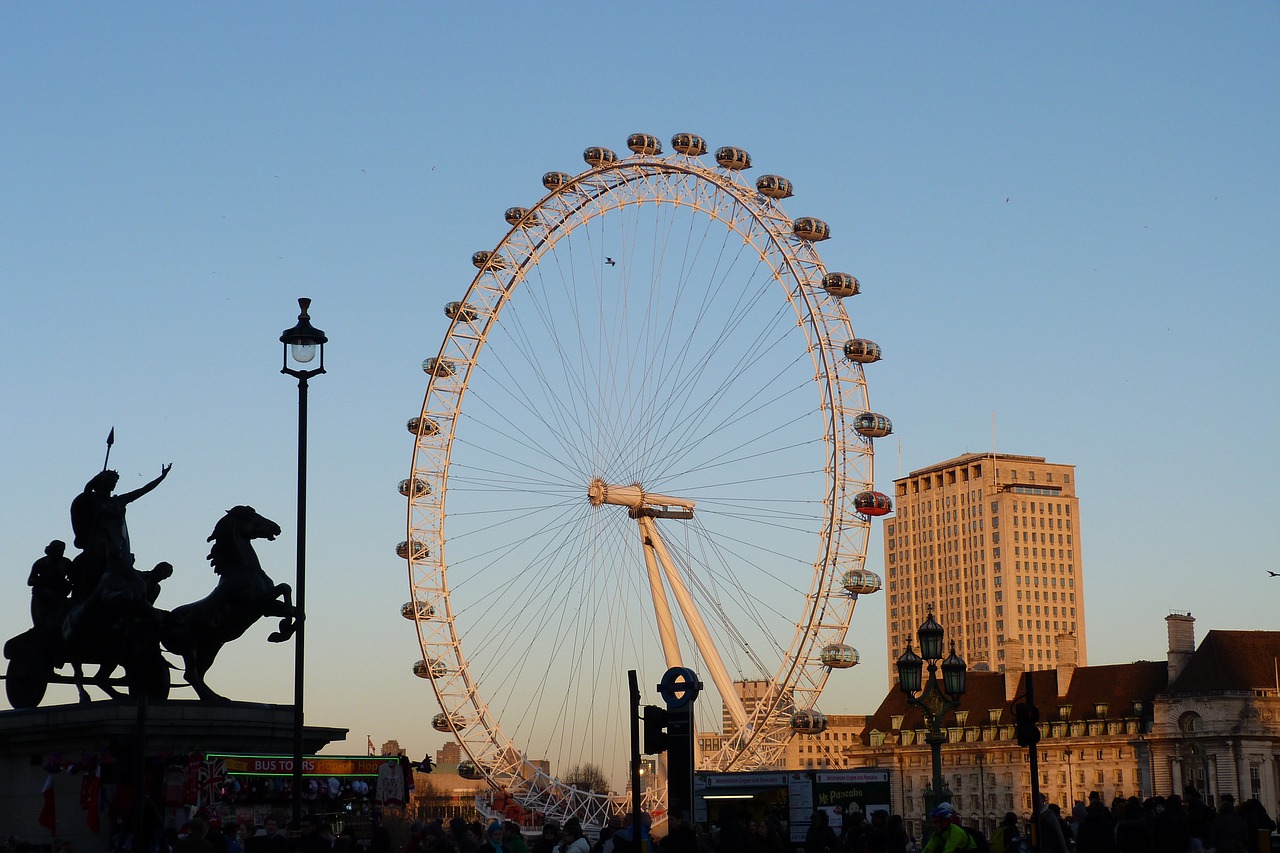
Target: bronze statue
(244, 594)
(99, 609)
(50, 582)
(101, 534)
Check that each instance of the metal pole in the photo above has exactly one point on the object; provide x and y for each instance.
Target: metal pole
(635, 753)
(1033, 754)
(299, 600)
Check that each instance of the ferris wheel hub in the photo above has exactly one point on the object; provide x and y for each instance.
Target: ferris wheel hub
(636, 499)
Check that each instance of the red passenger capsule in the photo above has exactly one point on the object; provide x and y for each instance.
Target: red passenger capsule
(872, 503)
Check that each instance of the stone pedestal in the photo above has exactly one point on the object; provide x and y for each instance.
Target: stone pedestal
(29, 737)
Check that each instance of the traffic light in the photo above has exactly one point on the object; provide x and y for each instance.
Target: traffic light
(656, 735)
(1025, 717)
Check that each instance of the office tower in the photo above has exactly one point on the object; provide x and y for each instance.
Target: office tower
(991, 544)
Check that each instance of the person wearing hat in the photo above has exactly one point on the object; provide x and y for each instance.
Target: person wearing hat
(492, 839)
(948, 835)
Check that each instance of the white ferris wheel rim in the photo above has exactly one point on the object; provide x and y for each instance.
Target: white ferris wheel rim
(605, 190)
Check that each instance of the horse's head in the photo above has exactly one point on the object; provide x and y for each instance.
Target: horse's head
(232, 539)
(244, 522)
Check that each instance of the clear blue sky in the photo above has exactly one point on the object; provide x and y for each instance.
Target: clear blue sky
(1066, 215)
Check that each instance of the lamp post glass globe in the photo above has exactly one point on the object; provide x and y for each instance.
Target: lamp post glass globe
(301, 343)
(910, 670)
(930, 634)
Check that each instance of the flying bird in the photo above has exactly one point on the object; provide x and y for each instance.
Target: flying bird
(1274, 574)
(611, 262)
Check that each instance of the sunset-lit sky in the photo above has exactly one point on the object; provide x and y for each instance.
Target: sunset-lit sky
(1065, 218)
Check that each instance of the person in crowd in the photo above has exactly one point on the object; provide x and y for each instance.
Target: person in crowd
(948, 835)
(573, 839)
(897, 839)
(853, 833)
(417, 838)
(1199, 817)
(269, 839)
(1169, 825)
(1006, 836)
(512, 840)
(1133, 832)
(1052, 838)
(492, 839)
(1097, 830)
(196, 840)
(680, 837)
(460, 835)
(546, 843)
(1229, 831)
(820, 837)
(876, 838)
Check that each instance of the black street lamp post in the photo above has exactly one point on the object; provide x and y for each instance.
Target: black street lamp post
(301, 344)
(938, 697)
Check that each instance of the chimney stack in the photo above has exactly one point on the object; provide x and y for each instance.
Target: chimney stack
(1068, 660)
(1013, 668)
(1182, 642)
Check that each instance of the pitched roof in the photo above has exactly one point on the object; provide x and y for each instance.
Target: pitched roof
(1118, 686)
(1232, 661)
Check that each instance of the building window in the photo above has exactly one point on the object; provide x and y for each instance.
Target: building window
(1190, 723)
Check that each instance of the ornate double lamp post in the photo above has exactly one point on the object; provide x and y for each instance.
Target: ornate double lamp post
(302, 344)
(938, 697)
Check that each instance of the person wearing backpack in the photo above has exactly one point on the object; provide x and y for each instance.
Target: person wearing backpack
(1006, 837)
(948, 835)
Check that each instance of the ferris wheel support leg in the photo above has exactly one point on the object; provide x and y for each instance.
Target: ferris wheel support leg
(661, 607)
(693, 619)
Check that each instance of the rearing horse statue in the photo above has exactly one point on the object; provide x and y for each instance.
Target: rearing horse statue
(244, 594)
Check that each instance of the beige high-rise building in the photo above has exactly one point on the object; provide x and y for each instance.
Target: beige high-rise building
(991, 544)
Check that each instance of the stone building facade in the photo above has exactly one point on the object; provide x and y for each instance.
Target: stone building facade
(1208, 716)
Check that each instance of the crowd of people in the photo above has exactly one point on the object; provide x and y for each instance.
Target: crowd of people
(1174, 824)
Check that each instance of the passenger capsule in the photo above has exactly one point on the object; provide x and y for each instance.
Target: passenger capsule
(872, 425)
(872, 503)
(689, 144)
(774, 186)
(520, 216)
(733, 158)
(487, 260)
(435, 669)
(556, 180)
(415, 610)
(810, 228)
(460, 311)
(840, 284)
(809, 722)
(862, 351)
(861, 581)
(415, 488)
(437, 366)
(412, 549)
(448, 723)
(468, 770)
(423, 426)
(643, 143)
(598, 156)
(840, 656)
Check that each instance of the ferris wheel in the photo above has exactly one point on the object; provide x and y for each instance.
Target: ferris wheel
(645, 442)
